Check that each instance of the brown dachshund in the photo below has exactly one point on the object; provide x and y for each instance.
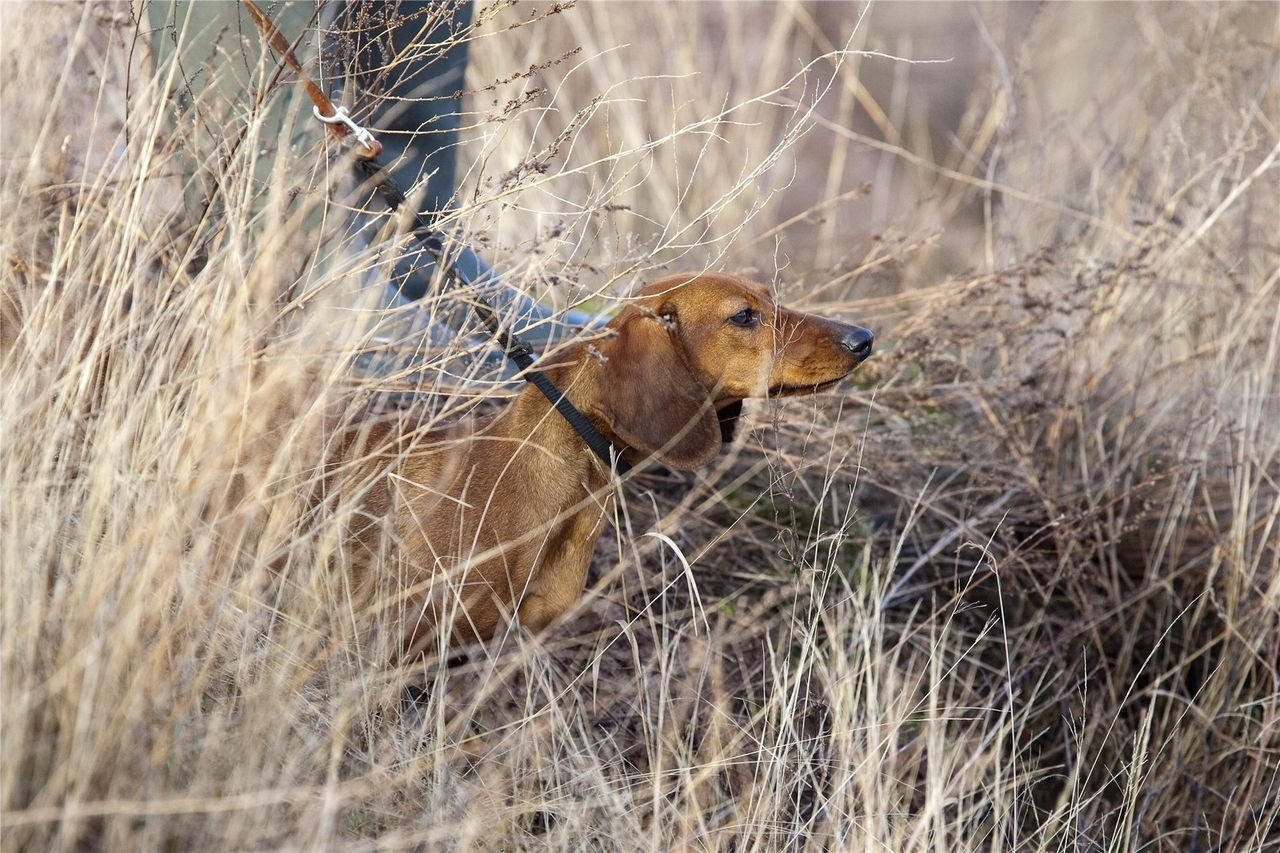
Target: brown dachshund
(501, 518)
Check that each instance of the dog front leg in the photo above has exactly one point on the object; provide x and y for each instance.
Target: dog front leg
(536, 612)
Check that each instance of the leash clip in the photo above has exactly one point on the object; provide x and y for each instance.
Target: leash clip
(362, 134)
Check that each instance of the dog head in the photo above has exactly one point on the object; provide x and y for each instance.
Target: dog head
(690, 348)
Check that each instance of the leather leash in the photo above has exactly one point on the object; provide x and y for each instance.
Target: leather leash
(368, 148)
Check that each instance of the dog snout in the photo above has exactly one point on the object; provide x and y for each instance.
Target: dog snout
(858, 340)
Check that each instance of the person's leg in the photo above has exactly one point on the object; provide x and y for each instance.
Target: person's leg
(410, 58)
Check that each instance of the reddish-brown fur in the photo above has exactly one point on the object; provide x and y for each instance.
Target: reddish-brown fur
(508, 512)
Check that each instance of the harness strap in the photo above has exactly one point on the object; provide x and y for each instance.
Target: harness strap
(515, 349)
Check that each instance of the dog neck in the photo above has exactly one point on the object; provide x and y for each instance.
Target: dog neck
(551, 444)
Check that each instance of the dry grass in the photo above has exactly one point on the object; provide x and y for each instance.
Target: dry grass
(1015, 587)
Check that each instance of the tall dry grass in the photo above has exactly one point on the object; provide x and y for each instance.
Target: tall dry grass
(1014, 587)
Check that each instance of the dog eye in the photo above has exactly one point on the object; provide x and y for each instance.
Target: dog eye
(745, 318)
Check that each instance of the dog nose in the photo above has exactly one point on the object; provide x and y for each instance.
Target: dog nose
(858, 341)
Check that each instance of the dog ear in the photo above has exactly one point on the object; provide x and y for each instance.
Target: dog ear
(652, 400)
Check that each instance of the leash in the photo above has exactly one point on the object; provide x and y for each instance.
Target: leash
(517, 350)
